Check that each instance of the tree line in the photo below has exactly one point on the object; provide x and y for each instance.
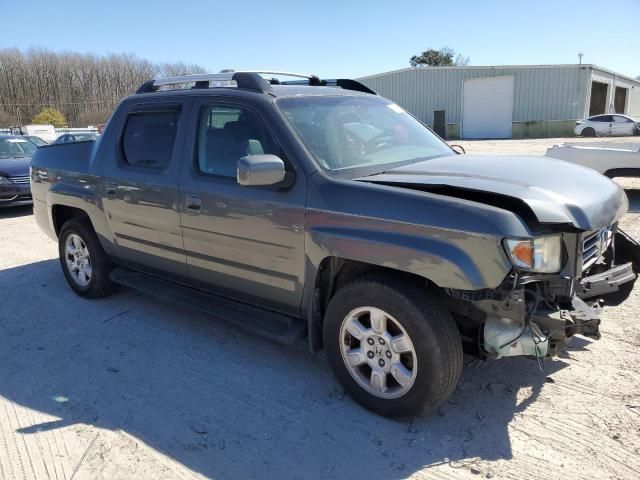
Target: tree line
(84, 88)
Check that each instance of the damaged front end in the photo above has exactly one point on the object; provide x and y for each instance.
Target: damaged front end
(534, 314)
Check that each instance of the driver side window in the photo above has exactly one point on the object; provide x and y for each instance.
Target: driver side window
(226, 134)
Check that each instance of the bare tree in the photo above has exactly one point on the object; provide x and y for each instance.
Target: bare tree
(84, 87)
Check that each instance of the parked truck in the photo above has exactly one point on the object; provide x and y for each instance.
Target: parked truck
(315, 208)
(45, 132)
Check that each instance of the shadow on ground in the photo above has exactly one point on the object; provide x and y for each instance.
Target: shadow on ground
(225, 404)
(634, 199)
(15, 212)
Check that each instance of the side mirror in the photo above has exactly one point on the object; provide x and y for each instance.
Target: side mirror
(260, 170)
(459, 149)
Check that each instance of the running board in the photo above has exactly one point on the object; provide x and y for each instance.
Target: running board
(272, 325)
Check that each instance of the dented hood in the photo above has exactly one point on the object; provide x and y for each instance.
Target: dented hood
(554, 190)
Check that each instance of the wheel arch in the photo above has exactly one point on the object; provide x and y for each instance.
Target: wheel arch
(60, 214)
(333, 273)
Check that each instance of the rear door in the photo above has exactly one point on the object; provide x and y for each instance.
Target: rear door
(140, 189)
(243, 242)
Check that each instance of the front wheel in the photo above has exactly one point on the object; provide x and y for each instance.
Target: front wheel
(84, 263)
(393, 347)
(588, 132)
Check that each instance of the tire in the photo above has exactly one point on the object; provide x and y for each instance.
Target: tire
(588, 132)
(434, 364)
(80, 235)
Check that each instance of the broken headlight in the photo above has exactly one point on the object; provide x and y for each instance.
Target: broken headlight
(537, 254)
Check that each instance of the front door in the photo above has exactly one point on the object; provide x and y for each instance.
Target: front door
(622, 125)
(140, 189)
(243, 242)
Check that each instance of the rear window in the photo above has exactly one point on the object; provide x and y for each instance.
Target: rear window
(149, 139)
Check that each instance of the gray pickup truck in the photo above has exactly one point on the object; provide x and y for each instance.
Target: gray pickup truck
(315, 208)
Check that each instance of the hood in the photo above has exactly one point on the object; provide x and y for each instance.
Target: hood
(14, 166)
(552, 190)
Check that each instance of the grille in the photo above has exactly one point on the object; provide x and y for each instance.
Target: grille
(21, 180)
(594, 244)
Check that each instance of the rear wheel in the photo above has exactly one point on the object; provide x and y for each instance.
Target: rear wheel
(84, 263)
(588, 132)
(392, 346)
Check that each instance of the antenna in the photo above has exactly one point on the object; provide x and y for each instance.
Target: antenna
(580, 55)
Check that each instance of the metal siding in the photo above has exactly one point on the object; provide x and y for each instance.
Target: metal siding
(540, 93)
(615, 80)
(634, 102)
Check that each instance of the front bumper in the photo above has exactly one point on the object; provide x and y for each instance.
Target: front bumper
(15, 194)
(561, 307)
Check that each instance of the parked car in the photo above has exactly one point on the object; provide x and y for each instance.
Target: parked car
(37, 141)
(331, 213)
(15, 155)
(75, 137)
(45, 132)
(612, 162)
(607, 125)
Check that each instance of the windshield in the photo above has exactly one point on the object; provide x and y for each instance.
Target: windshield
(83, 137)
(16, 147)
(349, 132)
(36, 140)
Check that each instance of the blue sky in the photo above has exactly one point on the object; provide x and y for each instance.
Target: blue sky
(331, 38)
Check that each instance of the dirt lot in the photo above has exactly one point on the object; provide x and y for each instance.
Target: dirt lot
(127, 387)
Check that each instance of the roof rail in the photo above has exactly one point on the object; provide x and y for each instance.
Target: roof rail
(249, 80)
(344, 83)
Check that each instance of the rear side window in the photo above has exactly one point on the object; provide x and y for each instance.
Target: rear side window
(149, 139)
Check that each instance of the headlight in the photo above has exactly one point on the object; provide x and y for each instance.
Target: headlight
(538, 254)
(4, 181)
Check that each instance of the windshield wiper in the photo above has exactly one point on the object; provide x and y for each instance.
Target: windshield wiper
(373, 174)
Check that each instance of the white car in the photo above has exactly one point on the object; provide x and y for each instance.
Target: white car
(612, 162)
(601, 125)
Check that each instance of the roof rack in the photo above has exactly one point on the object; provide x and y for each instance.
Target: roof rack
(249, 80)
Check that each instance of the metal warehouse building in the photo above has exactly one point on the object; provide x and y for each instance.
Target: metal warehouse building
(519, 101)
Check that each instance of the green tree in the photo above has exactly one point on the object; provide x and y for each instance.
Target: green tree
(50, 116)
(438, 58)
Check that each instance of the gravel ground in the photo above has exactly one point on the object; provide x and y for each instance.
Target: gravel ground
(126, 387)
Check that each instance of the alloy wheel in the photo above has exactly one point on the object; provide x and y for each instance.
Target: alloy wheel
(78, 260)
(378, 352)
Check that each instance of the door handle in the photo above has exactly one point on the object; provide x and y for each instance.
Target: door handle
(194, 203)
(111, 188)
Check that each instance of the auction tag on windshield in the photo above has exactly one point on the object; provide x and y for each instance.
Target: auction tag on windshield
(16, 140)
(395, 108)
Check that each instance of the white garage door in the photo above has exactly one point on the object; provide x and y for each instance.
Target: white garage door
(487, 107)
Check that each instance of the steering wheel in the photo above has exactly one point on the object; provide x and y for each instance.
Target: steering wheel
(371, 144)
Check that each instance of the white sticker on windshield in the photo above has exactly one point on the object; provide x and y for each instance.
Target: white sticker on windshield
(16, 140)
(395, 108)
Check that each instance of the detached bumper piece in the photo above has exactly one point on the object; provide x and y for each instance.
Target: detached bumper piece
(606, 282)
(614, 286)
